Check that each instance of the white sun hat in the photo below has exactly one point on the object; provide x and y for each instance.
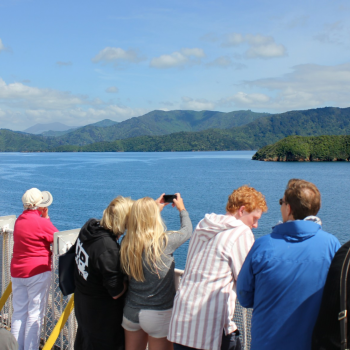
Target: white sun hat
(36, 198)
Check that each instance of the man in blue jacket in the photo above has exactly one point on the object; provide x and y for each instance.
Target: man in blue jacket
(284, 273)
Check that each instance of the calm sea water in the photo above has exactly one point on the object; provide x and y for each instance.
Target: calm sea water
(83, 184)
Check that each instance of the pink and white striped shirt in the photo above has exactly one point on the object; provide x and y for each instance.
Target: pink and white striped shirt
(205, 302)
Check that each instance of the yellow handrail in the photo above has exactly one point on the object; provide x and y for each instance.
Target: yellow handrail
(6, 295)
(60, 324)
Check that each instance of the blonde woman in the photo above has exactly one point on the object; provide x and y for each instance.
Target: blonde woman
(99, 280)
(147, 258)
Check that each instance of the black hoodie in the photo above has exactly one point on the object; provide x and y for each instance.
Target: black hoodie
(97, 270)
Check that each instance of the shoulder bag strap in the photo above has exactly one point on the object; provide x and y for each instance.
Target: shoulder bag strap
(342, 316)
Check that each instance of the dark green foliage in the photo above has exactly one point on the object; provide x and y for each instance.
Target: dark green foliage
(104, 123)
(313, 122)
(57, 133)
(159, 123)
(11, 141)
(208, 140)
(301, 148)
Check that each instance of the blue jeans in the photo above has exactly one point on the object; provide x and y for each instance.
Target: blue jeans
(229, 342)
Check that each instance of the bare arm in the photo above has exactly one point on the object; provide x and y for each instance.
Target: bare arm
(124, 290)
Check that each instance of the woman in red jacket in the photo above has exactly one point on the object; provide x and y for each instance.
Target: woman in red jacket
(31, 268)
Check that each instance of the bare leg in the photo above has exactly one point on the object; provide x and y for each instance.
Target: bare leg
(159, 344)
(135, 340)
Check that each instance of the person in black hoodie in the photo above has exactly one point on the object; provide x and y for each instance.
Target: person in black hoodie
(99, 280)
(326, 335)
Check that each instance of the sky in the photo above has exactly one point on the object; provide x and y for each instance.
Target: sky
(79, 62)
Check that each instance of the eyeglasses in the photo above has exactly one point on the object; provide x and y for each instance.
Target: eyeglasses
(281, 201)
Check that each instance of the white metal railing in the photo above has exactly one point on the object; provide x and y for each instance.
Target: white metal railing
(57, 302)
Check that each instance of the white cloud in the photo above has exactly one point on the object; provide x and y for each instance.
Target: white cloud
(182, 58)
(15, 120)
(258, 39)
(233, 39)
(333, 33)
(196, 52)
(259, 46)
(112, 90)
(196, 104)
(22, 106)
(308, 86)
(116, 55)
(266, 51)
(297, 22)
(62, 64)
(222, 62)
(20, 95)
(167, 103)
(176, 59)
(226, 62)
(3, 48)
(242, 99)
(210, 37)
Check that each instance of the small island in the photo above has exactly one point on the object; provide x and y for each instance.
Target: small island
(307, 149)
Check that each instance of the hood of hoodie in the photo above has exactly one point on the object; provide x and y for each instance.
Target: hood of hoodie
(212, 224)
(93, 231)
(297, 230)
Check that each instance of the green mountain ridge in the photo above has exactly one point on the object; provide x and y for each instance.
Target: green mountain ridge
(257, 134)
(159, 123)
(264, 130)
(103, 124)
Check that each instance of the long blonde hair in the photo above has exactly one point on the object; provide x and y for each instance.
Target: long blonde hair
(145, 234)
(116, 215)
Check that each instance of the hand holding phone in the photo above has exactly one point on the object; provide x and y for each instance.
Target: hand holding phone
(178, 202)
(174, 199)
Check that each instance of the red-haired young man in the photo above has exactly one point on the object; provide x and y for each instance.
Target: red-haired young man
(205, 302)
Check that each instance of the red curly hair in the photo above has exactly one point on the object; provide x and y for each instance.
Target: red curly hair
(248, 197)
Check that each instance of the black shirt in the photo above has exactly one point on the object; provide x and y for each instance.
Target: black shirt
(326, 334)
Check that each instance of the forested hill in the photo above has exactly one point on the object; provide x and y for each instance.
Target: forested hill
(312, 122)
(257, 134)
(11, 141)
(159, 123)
(307, 148)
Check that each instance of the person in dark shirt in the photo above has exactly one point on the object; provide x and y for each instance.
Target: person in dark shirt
(99, 281)
(326, 334)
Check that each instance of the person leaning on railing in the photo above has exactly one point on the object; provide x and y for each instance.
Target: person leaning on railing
(147, 258)
(30, 268)
(205, 302)
(284, 274)
(99, 280)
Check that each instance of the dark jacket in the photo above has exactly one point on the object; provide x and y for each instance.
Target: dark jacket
(326, 333)
(97, 271)
(98, 278)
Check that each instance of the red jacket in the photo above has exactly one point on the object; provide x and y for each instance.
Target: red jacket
(31, 251)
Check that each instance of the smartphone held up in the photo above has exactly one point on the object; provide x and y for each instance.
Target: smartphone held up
(168, 198)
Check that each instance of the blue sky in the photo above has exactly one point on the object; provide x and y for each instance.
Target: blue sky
(78, 62)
